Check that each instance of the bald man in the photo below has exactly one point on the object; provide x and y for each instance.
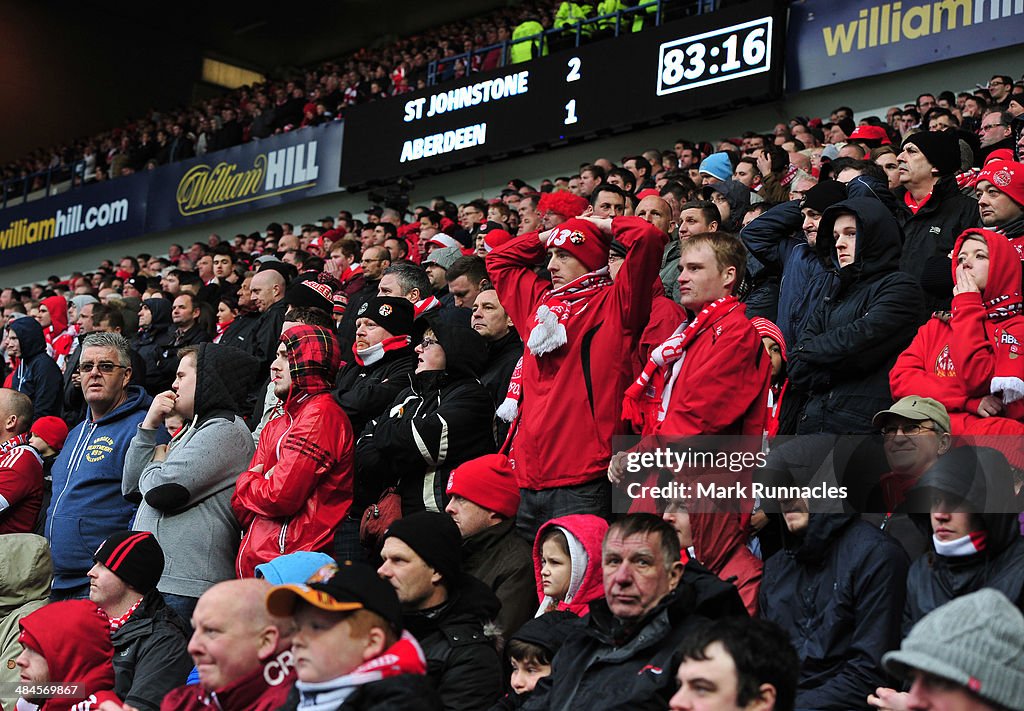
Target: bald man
(242, 652)
(267, 291)
(21, 468)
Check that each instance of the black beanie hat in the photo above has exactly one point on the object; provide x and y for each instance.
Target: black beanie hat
(941, 148)
(824, 195)
(394, 314)
(133, 556)
(549, 630)
(435, 538)
(310, 292)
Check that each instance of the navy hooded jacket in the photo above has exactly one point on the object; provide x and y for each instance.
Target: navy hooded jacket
(87, 504)
(37, 375)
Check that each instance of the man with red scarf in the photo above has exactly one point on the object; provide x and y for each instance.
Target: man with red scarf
(711, 377)
(581, 333)
(298, 487)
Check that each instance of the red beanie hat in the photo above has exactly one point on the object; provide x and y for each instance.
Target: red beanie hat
(1005, 176)
(52, 430)
(496, 238)
(488, 482)
(583, 240)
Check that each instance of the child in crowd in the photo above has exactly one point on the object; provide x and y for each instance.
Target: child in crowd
(47, 438)
(530, 651)
(567, 563)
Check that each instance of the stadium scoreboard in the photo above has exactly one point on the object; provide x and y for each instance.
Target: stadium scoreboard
(728, 58)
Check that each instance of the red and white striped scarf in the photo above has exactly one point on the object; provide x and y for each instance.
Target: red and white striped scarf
(548, 333)
(970, 544)
(117, 623)
(654, 381)
(508, 409)
(428, 304)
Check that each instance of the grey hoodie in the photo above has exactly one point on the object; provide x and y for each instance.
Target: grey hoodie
(185, 501)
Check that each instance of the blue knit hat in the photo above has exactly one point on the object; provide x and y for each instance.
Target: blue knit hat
(717, 165)
(292, 568)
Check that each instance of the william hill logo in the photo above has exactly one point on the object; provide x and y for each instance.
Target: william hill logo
(212, 187)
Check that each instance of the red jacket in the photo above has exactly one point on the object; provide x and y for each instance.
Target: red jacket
(572, 397)
(954, 359)
(720, 544)
(722, 385)
(21, 490)
(265, 689)
(304, 489)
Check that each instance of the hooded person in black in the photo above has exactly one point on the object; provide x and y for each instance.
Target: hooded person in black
(441, 420)
(978, 482)
(151, 339)
(837, 587)
(37, 375)
(844, 355)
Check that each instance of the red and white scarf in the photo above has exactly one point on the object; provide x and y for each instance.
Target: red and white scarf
(428, 304)
(508, 409)
(654, 382)
(117, 623)
(561, 304)
(970, 544)
(373, 354)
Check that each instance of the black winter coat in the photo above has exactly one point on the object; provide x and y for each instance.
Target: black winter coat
(603, 666)
(150, 341)
(37, 375)
(500, 558)
(985, 485)
(502, 356)
(406, 692)
(462, 661)
(839, 592)
(150, 654)
(851, 342)
(929, 236)
(440, 421)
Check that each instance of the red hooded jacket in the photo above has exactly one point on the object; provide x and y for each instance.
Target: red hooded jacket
(720, 544)
(85, 658)
(586, 581)
(572, 396)
(954, 359)
(58, 337)
(303, 488)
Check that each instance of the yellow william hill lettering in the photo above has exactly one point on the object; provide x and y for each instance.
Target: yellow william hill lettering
(891, 22)
(205, 188)
(22, 232)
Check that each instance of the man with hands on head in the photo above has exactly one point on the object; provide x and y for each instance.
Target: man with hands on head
(581, 330)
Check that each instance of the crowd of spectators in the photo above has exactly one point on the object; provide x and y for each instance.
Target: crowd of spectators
(381, 462)
(288, 100)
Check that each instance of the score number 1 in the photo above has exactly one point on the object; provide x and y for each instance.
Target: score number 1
(574, 64)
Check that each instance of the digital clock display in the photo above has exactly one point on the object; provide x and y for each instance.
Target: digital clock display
(706, 63)
(712, 57)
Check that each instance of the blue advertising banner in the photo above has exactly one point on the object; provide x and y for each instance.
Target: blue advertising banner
(94, 215)
(830, 42)
(292, 166)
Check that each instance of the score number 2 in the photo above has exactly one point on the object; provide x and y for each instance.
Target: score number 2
(574, 64)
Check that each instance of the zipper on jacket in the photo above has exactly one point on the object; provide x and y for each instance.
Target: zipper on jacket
(72, 467)
(281, 538)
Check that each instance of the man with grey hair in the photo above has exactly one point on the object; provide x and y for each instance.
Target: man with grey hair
(87, 504)
(964, 655)
(411, 281)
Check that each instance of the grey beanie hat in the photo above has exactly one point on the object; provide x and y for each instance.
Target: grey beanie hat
(976, 641)
(82, 300)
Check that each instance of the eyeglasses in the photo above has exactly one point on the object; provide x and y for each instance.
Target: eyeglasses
(991, 126)
(428, 342)
(909, 430)
(104, 367)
